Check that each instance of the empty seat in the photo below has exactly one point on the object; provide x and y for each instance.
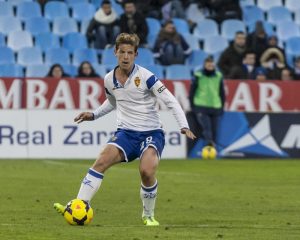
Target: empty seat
(100, 70)
(196, 58)
(6, 9)
(30, 56)
(2, 40)
(297, 16)
(19, 39)
(96, 3)
(192, 41)
(293, 46)
(108, 57)
(84, 25)
(244, 3)
(267, 4)
(153, 25)
(215, 44)
(10, 24)
(37, 25)
(286, 30)
(252, 14)
(278, 14)
(11, 70)
(178, 72)
(83, 11)
(37, 70)
(71, 2)
(230, 27)
(292, 5)
(157, 70)
(56, 9)
(69, 69)
(62, 26)
(145, 56)
(72, 41)
(181, 25)
(87, 54)
(17, 2)
(6, 55)
(47, 41)
(206, 28)
(57, 55)
(27, 10)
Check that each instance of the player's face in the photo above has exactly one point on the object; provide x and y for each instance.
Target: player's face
(126, 55)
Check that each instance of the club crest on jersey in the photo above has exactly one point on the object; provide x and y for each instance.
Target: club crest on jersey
(137, 81)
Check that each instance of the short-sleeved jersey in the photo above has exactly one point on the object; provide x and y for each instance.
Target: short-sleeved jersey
(135, 102)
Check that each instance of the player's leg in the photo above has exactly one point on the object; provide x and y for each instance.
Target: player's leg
(148, 192)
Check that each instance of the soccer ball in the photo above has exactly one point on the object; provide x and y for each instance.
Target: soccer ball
(78, 212)
(209, 152)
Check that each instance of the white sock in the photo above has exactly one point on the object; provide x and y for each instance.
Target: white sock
(148, 196)
(90, 185)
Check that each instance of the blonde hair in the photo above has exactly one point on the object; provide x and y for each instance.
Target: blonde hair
(127, 38)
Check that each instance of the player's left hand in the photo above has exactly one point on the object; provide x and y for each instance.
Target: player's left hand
(188, 133)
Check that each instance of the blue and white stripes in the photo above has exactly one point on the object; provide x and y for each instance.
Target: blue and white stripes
(96, 174)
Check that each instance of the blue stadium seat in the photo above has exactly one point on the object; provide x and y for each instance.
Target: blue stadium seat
(17, 2)
(269, 28)
(27, 10)
(72, 41)
(230, 26)
(2, 40)
(117, 7)
(57, 55)
(278, 14)
(157, 70)
(145, 56)
(286, 30)
(30, 56)
(244, 3)
(83, 11)
(9, 24)
(292, 5)
(215, 44)
(47, 41)
(96, 3)
(205, 28)
(37, 25)
(297, 16)
(62, 26)
(293, 46)
(100, 69)
(11, 70)
(83, 26)
(108, 57)
(87, 54)
(252, 14)
(154, 27)
(192, 41)
(19, 39)
(6, 9)
(196, 58)
(267, 4)
(181, 25)
(71, 2)
(56, 9)
(178, 72)
(37, 70)
(70, 69)
(6, 55)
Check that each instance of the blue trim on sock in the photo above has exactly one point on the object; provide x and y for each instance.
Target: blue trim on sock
(149, 189)
(95, 173)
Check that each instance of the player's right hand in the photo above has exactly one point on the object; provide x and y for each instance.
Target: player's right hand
(84, 116)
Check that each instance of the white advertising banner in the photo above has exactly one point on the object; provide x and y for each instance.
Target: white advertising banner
(53, 134)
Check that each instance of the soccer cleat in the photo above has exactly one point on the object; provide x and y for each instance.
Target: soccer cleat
(59, 208)
(150, 221)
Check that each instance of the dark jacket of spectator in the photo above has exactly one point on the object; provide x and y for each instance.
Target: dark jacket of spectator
(273, 61)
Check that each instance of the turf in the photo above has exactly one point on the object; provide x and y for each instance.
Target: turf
(215, 199)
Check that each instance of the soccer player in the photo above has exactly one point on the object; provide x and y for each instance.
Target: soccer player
(132, 90)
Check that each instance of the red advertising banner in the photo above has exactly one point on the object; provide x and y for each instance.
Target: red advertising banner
(71, 93)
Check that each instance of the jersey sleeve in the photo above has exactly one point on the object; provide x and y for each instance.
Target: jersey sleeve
(162, 93)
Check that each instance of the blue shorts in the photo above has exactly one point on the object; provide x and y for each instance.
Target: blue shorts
(133, 143)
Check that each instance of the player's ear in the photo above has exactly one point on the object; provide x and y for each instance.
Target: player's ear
(136, 53)
(115, 51)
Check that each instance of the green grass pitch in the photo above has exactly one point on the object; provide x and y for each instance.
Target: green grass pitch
(213, 199)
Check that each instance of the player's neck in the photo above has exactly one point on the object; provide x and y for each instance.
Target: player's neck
(124, 72)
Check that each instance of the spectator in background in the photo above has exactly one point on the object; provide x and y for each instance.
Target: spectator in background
(233, 55)
(296, 71)
(103, 28)
(57, 71)
(170, 47)
(86, 70)
(273, 61)
(260, 74)
(207, 99)
(286, 74)
(247, 70)
(273, 43)
(172, 9)
(132, 21)
(258, 40)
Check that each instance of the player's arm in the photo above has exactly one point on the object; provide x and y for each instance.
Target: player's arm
(161, 92)
(108, 105)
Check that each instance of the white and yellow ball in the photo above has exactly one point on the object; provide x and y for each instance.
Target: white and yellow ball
(78, 212)
(209, 152)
